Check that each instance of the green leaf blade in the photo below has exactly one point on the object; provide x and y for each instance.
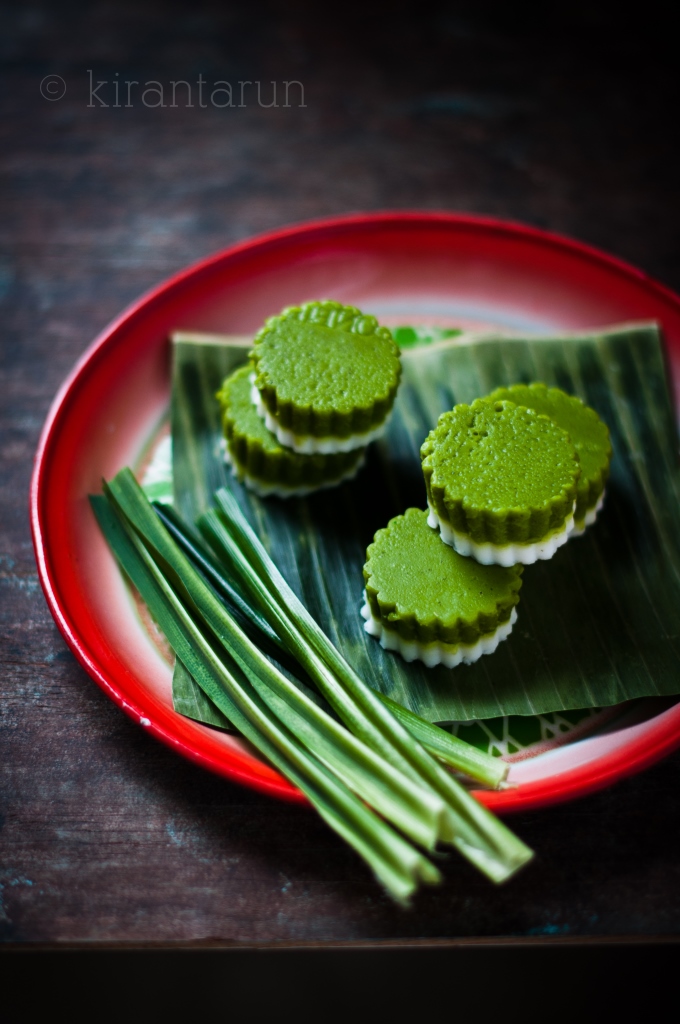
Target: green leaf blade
(398, 865)
(607, 631)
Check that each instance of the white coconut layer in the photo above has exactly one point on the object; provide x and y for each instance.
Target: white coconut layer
(436, 653)
(501, 554)
(266, 490)
(589, 518)
(308, 444)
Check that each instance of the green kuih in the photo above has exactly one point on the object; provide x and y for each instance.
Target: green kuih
(501, 482)
(325, 377)
(426, 601)
(260, 461)
(589, 435)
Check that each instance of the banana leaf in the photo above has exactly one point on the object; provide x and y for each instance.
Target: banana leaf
(599, 623)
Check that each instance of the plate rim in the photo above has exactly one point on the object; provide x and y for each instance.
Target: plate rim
(573, 782)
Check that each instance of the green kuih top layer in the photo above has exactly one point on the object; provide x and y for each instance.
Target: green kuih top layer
(326, 370)
(500, 473)
(426, 592)
(588, 434)
(257, 455)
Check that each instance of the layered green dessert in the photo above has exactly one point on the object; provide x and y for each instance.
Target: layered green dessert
(428, 602)
(260, 461)
(501, 482)
(589, 435)
(325, 377)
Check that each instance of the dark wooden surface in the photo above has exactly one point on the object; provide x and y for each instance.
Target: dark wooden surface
(569, 123)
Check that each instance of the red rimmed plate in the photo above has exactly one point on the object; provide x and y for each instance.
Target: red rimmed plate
(404, 267)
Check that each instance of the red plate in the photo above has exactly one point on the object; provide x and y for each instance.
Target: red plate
(404, 267)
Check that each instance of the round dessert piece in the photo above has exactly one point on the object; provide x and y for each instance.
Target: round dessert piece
(589, 435)
(326, 377)
(264, 465)
(428, 602)
(501, 482)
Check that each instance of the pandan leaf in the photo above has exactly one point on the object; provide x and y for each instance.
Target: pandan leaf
(328, 762)
(189, 699)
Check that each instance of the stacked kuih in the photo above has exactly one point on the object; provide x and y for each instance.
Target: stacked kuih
(426, 601)
(261, 461)
(501, 482)
(588, 434)
(320, 386)
(509, 479)
(325, 378)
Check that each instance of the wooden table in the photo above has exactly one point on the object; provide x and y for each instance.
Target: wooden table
(107, 836)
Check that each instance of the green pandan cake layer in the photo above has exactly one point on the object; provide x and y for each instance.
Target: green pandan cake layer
(426, 592)
(589, 435)
(500, 473)
(326, 370)
(257, 453)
